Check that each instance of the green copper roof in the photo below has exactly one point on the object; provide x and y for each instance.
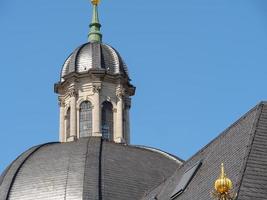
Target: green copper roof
(95, 34)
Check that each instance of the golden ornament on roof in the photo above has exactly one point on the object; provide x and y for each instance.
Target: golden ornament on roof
(95, 2)
(223, 184)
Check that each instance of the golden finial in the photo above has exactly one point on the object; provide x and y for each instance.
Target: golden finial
(95, 2)
(223, 187)
(223, 184)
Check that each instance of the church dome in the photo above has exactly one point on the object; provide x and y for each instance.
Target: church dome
(94, 55)
(89, 168)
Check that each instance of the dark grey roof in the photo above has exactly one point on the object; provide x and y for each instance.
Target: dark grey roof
(94, 56)
(89, 168)
(242, 148)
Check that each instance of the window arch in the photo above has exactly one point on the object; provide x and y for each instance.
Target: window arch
(107, 120)
(68, 123)
(85, 115)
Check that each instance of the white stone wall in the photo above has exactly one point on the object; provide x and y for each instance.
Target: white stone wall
(73, 93)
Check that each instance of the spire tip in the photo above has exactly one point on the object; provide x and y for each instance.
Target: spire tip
(95, 2)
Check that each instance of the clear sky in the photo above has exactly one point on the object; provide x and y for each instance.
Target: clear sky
(198, 66)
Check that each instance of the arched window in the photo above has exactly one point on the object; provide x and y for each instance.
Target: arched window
(68, 123)
(85, 119)
(107, 120)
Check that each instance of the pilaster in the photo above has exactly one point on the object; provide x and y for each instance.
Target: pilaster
(61, 119)
(73, 116)
(127, 119)
(96, 110)
(120, 92)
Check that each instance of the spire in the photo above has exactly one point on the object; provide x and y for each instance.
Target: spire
(95, 34)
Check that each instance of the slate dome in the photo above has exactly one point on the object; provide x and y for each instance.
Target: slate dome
(94, 55)
(89, 168)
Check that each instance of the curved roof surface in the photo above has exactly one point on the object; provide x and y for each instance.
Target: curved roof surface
(89, 168)
(94, 56)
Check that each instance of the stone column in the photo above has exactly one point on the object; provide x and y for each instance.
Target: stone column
(62, 137)
(114, 123)
(96, 111)
(119, 119)
(127, 120)
(73, 116)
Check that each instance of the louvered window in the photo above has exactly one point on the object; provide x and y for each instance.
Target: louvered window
(85, 117)
(107, 120)
(185, 180)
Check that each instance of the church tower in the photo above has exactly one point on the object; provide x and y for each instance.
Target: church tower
(93, 159)
(94, 91)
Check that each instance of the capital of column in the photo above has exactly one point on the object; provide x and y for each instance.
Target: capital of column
(120, 92)
(97, 88)
(72, 93)
(61, 101)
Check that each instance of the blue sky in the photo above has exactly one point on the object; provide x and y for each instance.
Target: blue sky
(198, 66)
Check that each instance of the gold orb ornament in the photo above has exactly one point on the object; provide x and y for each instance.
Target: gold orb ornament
(95, 2)
(223, 184)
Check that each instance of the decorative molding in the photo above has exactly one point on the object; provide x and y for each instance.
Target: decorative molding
(71, 138)
(61, 101)
(120, 140)
(128, 103)
(72, 93)
(96, 88)
(89, 97)
(67, 106)
(82, 99)
(120, 92)
(108, 99)
(79, 101)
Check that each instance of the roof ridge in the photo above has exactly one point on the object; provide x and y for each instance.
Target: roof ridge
(251, 139)
(93, 162)
(225, 130)
(20, 164)
(151, 150)
(164, 153)
(263, 102)
(255, 161)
